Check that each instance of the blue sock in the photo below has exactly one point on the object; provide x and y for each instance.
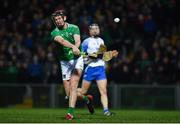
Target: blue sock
(105, 110)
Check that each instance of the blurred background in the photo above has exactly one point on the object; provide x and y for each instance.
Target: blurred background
(146, 74)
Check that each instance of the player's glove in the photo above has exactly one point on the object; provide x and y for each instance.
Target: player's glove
(107, 56)
(102, 49)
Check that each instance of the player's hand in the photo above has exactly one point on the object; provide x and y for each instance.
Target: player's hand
(75, 50)
(107, 56)
(115, 53)
(94, 55)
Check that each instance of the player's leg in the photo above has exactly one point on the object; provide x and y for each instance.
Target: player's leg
(103, 92)
(73, 87)
(87, 77)
(101, 80)
(66, 84)
(87, 98)
(75, 77)
(102, 86)
(66, 70)
(83, 90)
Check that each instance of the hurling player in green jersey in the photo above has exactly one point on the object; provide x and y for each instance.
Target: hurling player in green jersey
(67, 38)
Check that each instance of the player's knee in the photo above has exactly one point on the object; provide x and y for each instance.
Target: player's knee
(84, 92)
(79, 91)
(76, 72)
(73, 87)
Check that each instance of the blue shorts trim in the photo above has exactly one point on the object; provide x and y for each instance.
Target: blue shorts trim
(94, 73)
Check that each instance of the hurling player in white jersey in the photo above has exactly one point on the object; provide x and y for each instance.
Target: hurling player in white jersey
(95, 70)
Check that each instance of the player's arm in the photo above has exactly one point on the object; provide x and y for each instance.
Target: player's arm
(76, 36)
(77, 40)
(65, 43)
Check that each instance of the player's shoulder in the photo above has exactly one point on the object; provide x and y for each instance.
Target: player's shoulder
(87, 40)
(100, 40)
(72, 25)
(55, 31)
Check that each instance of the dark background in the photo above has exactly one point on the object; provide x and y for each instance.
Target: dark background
(147, 37)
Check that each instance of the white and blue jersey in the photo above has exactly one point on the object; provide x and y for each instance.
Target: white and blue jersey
(95, 70)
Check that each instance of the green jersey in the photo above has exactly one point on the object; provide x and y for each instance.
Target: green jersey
(65, 53)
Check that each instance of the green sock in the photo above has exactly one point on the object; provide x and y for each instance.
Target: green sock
(71, 110)
(85, 98)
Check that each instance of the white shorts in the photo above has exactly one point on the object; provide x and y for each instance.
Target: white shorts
(67, 67)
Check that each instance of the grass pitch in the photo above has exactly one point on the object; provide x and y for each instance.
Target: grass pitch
(82, 115)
